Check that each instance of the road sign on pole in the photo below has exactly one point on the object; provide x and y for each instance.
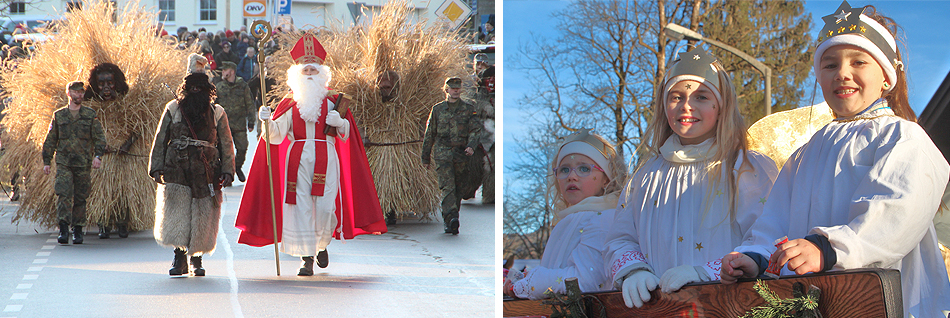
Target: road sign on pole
(283, 6)
(453, 12)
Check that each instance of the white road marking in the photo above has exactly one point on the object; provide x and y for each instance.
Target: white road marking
(30, 277)
(24, 286)
(232, 275)
(18, 296)
(34, 269)
(12, 308)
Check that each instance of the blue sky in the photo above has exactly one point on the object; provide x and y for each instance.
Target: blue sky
(926, 50)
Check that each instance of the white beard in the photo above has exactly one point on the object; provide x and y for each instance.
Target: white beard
(309, 91)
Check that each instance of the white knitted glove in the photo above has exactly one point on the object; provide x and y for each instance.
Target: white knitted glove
(676, 277)
(334, 119)
(636, 288)
(264, 113)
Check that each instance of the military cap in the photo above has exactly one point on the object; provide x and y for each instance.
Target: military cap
(75, 86)
(453, 82)
(228, 65)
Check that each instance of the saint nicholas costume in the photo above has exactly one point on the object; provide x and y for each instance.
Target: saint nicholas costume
(322, 185)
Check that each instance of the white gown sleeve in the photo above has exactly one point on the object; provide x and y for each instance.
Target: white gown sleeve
(623, 254)
(754, 179)
(894, 203)
(586, 263)
(278, 128)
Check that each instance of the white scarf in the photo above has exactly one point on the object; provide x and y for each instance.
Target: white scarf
(674, 151)
(593, 203)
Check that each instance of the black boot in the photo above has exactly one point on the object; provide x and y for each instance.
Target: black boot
(180, 264)
(77, 234)
(454, 226)
(391, 218)
(63, 233)
(196, 263)
(323, 259)
(123, 230)
(103, 231)
(306, 268)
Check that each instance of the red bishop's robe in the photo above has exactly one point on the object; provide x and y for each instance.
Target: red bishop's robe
(358, 210)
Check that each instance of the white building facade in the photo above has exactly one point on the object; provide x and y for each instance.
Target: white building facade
(215, 15)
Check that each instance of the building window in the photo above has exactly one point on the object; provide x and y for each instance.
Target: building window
(17, 7)
(73, 5)
(208, 10)
(166, 10)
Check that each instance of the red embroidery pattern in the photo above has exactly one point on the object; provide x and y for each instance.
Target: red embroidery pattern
(715, 266)
(626, 258)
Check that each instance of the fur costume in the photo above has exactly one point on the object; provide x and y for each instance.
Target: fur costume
(187, 217)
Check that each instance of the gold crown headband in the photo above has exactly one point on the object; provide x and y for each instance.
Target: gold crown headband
(694, 65)
(851, 26)
(583, 142)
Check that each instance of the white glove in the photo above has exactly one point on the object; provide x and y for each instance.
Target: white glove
(334, 119)
(636, 288)
(264, 113)
(676, 277)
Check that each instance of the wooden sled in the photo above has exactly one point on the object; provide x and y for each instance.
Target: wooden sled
(863, 292)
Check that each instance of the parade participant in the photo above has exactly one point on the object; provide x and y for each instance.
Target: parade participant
(235, 97)
(452, 130)
(484, 98)
(75, 137)
(107, 84)
(325, 164)
(192, 158)
(696, 195)
(864, 190)
(584, 184)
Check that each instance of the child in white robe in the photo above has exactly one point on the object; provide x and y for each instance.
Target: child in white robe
(584, 185)
(699, 192)
(863, 191)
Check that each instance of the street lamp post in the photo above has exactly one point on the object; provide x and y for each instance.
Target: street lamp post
(679, 32)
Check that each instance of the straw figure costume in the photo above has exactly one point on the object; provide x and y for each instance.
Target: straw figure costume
(192, 158)
(107, 85)
(394, 70)
(121, 190)
(328, 190)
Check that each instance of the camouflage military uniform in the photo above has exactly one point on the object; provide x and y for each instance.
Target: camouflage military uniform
(450, 129)
(240, 106)
(75, 142)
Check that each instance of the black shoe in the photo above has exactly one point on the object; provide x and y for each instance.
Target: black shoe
(103, 232)
(454, 226)
(63, 233)
(196, 263)
(180, 264)
(15, 197)
(306, 268)
(240, 175)
(123, 230)
(77, 235)
(323, 259)
(391, 218)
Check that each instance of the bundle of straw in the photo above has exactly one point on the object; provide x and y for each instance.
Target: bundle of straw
(392, 131)
(85, 39)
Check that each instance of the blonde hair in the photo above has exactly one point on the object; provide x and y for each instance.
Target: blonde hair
(615, 182)
(730, 137)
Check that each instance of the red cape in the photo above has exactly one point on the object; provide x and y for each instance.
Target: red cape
(357, 203)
